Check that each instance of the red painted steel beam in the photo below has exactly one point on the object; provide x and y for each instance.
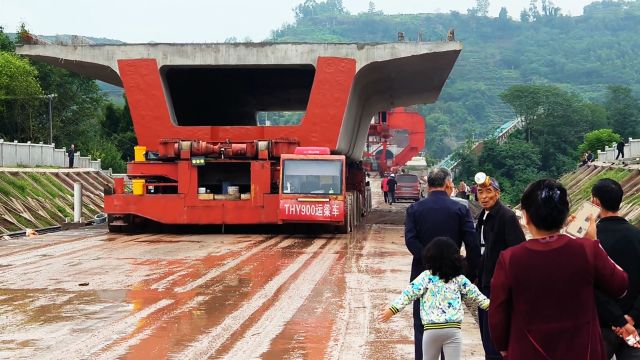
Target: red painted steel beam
(319, 127)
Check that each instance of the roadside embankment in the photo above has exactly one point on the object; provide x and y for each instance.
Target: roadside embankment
(580, 182)
(39, 198)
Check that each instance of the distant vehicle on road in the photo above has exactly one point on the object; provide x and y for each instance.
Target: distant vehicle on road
(408, 187)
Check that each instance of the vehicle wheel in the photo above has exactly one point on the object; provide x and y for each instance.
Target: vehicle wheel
(120, 224)
(347, 227)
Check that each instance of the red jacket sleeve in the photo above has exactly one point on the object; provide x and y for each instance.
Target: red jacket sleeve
(500, 305)
(608, 276)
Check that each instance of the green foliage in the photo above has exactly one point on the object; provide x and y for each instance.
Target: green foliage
(623, 111)
(21, 186)
(62, 210)
(6, 190)
(311, 9)
(554, 122)
(43, 183)
(584, 54)
(585, 191)
(19, 91)
(23, 221)
(57, 184)
(5, 42)
(481, 8)
(117, 128)
(110, 155)
(77, 108)
(597, 140)
(514, 163)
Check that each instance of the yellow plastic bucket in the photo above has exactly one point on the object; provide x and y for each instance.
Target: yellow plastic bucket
(138, 152)
(138, 186)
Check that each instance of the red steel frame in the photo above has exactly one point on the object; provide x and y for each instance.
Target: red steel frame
(152, 123)
(398, 118)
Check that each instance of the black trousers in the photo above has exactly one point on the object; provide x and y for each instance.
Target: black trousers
(71, 158)
(490, 352)
(618, 347)
(620, 152)
(392, 197)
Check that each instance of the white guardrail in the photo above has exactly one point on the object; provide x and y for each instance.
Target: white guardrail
(33, 155)
(631, 151)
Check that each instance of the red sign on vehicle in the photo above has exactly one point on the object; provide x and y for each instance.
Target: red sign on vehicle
(294, 210)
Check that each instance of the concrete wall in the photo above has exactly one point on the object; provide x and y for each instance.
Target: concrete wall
(32, 155)
(631, 151)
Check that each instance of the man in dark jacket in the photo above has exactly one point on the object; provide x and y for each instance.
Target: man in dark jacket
(437, 215)
(391, 185)
(72, 154)
(621, 241)
(497, 229)
(620, 148)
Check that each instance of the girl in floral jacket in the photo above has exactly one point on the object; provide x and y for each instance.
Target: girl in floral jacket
(441, 289)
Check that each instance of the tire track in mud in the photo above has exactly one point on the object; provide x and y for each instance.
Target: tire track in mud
(93, 342)
(121, 348)
(39, 242)
(217, 271)
(166, 282)
(257, 341)
(353, 322)
(197, 311)
(32, 266)
(208, 344)
(61, 250)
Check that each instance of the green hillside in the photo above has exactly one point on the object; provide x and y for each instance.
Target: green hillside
(584, 54)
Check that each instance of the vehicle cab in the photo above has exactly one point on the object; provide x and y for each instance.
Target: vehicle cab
(312, 186)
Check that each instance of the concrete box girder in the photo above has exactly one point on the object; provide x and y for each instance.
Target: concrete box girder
(387, 75)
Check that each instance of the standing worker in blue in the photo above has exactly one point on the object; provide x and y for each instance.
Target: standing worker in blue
(438, 215)
(498, 228)
(72, 154)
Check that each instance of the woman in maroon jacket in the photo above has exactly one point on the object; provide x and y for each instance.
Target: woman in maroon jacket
(542, 291)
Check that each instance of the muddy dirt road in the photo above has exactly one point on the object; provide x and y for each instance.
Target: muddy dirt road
(88, 294)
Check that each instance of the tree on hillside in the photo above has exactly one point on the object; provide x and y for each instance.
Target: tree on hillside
(312, 8)
(481, 8)
(515, 163)
(19, 94)
(554, 121)
(597, 140)
(5, 43)
(77, 109)
(504, 14)
(534, 13)
(549, 9)
(623, 111)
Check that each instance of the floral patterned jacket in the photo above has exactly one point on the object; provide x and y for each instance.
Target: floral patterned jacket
(440, 302)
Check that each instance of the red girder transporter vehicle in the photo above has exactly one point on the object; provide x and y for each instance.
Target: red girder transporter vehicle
(195, 107)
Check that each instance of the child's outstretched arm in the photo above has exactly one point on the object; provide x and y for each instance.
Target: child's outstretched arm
(470, 291)
(412, 292)
(385, 315)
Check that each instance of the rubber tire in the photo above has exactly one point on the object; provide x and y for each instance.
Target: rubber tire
(347, 226)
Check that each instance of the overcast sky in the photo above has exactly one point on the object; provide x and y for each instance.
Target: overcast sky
(204, 20)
